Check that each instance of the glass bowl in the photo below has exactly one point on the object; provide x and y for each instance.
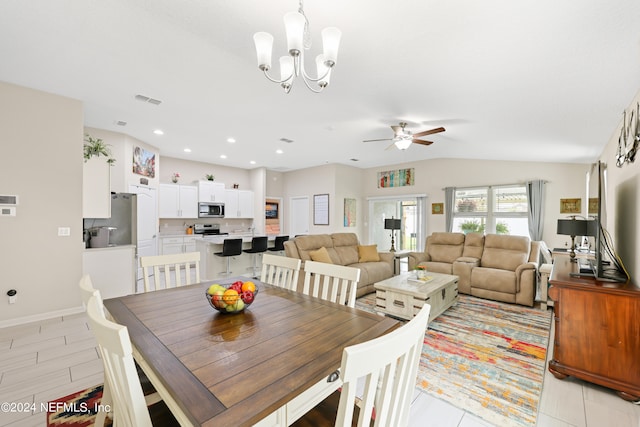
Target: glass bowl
(227, 299)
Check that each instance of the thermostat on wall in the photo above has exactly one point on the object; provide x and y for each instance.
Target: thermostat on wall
(8, 211)
(6, 199)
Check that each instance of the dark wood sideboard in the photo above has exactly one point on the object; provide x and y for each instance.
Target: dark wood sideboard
(597, 330)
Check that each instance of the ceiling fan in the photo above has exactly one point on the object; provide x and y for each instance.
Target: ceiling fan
(403, 138)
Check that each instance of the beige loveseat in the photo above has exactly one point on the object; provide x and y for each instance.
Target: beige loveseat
(497, 267)
(343, 250)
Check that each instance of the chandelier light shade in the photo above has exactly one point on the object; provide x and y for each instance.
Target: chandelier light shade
(298, 40)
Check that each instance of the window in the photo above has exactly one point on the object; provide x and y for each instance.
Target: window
(499, 210)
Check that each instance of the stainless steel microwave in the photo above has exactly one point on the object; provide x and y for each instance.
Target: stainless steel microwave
(210, 210)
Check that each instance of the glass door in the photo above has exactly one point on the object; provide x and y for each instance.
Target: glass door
(413, 230)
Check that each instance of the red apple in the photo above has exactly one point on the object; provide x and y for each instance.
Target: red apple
(247, 297)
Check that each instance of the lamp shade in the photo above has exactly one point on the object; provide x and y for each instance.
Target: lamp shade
(392, 224)
(330, 43)
(264, 47)
(572, 227)
(294, 26)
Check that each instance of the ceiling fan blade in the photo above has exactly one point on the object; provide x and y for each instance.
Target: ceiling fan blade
(428, 132)
(374, 140)
(390, 147)
(421, 142)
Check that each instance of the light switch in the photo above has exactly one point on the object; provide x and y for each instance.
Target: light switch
(64, 231)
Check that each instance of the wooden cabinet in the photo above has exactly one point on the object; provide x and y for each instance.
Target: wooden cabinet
(238, 204)
(597, 333)
(96, 188)
(178, 201)
(209, 191)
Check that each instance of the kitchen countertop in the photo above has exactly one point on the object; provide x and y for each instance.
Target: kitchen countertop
(219, 239)
(110, 248)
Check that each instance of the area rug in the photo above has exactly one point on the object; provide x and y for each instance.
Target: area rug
(76, 410)
(485, 357)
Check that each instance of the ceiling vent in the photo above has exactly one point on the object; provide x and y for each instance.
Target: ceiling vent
(287, 140)
(143, 98)
(121, 123)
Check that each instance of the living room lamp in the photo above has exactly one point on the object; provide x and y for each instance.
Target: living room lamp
(393, 225)
(572, 227)
(299, 40)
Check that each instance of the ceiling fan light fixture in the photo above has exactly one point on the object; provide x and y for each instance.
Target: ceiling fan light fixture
(298, 39)
(403, 143)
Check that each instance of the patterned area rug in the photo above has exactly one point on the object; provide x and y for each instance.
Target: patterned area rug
(485, 357)
(76, 410)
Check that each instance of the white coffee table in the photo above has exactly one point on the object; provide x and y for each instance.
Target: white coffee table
(399, 296)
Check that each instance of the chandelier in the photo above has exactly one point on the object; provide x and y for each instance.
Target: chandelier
(299, 40)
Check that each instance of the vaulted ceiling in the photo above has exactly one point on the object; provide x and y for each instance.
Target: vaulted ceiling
(542, 80)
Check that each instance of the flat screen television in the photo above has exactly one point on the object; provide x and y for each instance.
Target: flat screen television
(605, 266)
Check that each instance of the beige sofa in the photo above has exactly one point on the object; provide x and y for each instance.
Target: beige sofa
(343, 250)
(497, 267)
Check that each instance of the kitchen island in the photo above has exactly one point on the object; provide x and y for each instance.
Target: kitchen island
(214, 267)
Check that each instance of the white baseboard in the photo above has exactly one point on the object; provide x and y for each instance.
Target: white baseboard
(41, 316)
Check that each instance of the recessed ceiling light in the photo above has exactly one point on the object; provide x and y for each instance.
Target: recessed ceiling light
(158, 132)
(223, 156)
(279, 151)
(187, 150)
(231, 140)
(253, 162)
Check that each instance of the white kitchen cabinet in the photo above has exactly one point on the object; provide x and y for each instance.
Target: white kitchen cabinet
(238, 204)
(177, 244)
(209, 191)
(178, 201)
(112, 270)
(96, 188)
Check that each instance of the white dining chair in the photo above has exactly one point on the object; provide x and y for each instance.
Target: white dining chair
(169, 269)
(87, 290)
(129, 404)
(377, 375)
(280, 271)
(336, 283)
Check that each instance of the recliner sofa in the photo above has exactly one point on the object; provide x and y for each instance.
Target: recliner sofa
(497, 267)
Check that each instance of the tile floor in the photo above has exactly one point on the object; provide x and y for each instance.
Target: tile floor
(50, 359)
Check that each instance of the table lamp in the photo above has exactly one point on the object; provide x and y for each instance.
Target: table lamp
(393, 225)
(572, 227)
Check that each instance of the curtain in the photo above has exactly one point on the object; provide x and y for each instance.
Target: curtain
(421, 226)
(535, 198)
(449, 200)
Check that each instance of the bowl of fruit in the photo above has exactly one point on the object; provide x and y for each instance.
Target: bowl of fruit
(232, 298)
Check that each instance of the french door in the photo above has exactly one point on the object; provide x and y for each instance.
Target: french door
(410, 209)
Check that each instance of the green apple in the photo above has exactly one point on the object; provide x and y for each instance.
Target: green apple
(214, 288)
(239, 305)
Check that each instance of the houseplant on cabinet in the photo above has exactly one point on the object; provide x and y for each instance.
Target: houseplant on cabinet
(97, 147)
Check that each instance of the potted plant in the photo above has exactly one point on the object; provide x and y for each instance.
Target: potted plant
(97, 147)
(210, 177)
(421, 271)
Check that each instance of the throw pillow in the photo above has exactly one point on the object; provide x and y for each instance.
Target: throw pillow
(368, 253)
(321, 255)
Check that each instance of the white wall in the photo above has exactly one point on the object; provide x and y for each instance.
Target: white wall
(193, 170)
(41, 161)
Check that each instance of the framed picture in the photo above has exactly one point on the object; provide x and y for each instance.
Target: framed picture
(321, 209)
(144, 162)
(396, 178)
(593, 205)
(570, 206)
(437, 208)
(349, 212)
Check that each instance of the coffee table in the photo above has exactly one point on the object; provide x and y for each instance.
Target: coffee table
(403, 296)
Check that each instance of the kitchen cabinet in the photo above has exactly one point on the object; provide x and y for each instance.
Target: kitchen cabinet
(177, 244)
(209, 191)
(238, 204)
(178, 201)
(112, 270)
(96, 188)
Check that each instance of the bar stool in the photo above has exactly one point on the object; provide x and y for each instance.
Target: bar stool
(279, 243)
(230, 247)
(258, 245)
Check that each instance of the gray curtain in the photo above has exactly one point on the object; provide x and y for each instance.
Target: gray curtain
(535, 196)
(449, 199)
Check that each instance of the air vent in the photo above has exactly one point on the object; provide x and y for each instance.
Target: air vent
(355, 160)
(121, 123)
(8, 200)
(144, 98)
(287, 140)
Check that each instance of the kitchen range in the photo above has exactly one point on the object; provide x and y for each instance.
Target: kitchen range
(208, 230)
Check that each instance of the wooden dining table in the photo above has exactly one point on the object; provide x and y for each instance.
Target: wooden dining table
(266, 365)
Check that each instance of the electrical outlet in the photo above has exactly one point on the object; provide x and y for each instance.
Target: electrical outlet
(64, 231)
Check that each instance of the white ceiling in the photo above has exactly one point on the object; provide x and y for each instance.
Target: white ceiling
(533, 80)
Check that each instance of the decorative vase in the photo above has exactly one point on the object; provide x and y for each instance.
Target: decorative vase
(174, 180)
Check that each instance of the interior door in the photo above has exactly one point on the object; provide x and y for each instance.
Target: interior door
(299, 218)
(147, 224)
